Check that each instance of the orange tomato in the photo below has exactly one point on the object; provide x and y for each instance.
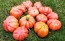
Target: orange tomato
(37, 5)
(41, 29)
(33, 11)
(27, 4)
(10, 24)
(41, 17)
(54, 24)
(45, 10)
(27, 21)
(20, 33)
(16, 12)
(52, 15)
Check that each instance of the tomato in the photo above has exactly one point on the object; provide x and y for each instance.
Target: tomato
(33, 11)
(20, 33)
(27, 4)
(45, 10)
(54, 24)
(41, 17)
(27, 21)
(10, 24)
(22, 8)
(52, 15)
(41, 29)
(37, 4)
(15, 12)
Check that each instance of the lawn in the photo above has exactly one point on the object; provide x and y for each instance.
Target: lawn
(58, 6)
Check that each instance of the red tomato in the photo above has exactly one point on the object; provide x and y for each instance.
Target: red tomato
(22, 8)
(52, 15)
(27, 21)
(37, 5)
(27, 4)
(33, 11)
(10, 24)
(54, 24)
(41, 29)
(41, 17)
(45, 10)
(20, 33)
(16, 12)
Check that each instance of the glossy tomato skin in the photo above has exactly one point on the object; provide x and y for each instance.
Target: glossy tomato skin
(52, 15)
(42, 18)
(27, 21)
(33, 11)
(45, 10)
(10, 24)
(41, 29)
(20, 33)
(54, 24)
(37, 5)
(22, 8)
(27, 4)
(15, 12)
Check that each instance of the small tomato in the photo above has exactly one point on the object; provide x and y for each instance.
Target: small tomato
(45, 10)
(20, 33)
(33, 11)
(10, 24)
(52, 15)
(41, 17)
(27, 21)
(54, 24)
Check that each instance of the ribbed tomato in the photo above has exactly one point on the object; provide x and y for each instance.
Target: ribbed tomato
(16, 12)
(41, 29)
(54, 24)
(33, 11)
(10, 24)
(52, 15)
(37, 5)
(45, 10)
(20, 33)
(27, 21)
(27, 4)
(41, 17)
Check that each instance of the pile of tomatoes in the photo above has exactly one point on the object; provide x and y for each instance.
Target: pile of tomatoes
(39, 17)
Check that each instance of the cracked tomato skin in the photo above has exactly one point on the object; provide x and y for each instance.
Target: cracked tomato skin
(54, 24)
(27, 4)
(52, 15)
(41, 29)
(45, 10)
(10, 24)
(20, 33)
(37, 5)
(16, 12)
(33, 11)
(41, 17)
(27, 21)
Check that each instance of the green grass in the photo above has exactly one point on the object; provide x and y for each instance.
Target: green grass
(58, 6)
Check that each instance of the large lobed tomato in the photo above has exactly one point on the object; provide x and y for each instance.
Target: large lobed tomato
(27, 21)
(33, 11)
(41, 29)
(45, 10)
(37, 5)
(54, 24)
(41, 17)
(52, 15)
(20, 33)
(16, 12)
(27, 4)
(10, 24)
